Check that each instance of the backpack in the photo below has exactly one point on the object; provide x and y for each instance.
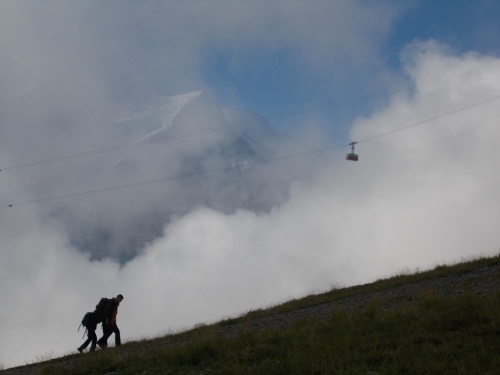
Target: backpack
(88, 319)
(100, 309)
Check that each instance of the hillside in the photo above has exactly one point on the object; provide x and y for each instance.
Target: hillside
(461, 304)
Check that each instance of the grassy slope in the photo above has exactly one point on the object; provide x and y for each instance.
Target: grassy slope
(437, 334)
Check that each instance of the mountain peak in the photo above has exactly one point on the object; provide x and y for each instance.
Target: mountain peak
(219, 155)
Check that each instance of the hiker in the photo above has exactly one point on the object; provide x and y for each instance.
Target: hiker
(109, 325)
(90, 323)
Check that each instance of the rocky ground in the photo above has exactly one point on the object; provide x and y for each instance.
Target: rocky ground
(481, 281)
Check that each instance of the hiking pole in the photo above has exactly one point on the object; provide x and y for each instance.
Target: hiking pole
(84, 332)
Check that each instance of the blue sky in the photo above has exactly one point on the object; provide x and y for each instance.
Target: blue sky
(276, 81)
(419, 79)
(463, 25)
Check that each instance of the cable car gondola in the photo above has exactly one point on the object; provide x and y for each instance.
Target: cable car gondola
(352, 156)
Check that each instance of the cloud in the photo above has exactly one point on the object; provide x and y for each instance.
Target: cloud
(417, 197)
(68, 69)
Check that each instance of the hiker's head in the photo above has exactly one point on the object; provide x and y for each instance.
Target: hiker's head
(119, 298)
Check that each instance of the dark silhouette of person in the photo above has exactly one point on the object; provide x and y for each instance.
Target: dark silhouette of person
(109, 325)
(91, 335)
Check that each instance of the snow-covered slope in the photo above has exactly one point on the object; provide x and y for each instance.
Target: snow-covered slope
(195, 115)
(146, 121)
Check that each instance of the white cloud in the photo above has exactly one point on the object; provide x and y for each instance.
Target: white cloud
(417, 197)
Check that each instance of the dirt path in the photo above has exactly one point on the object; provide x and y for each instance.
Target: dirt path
(481, 281)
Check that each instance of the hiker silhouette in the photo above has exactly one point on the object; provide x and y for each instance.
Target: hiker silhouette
(90, 322)
(109, 325)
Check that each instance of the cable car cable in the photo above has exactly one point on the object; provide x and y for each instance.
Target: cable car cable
(181, 176)
(429, 119)
(143, 183)
(229, 125)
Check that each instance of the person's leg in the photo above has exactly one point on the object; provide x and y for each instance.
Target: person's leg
(116, 331)
(88, 341)
(93, 338)
(107, 330)
(83, 346)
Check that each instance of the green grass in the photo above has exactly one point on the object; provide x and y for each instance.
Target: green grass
(436, 335)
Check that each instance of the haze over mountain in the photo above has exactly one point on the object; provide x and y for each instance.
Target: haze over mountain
(195, 154)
